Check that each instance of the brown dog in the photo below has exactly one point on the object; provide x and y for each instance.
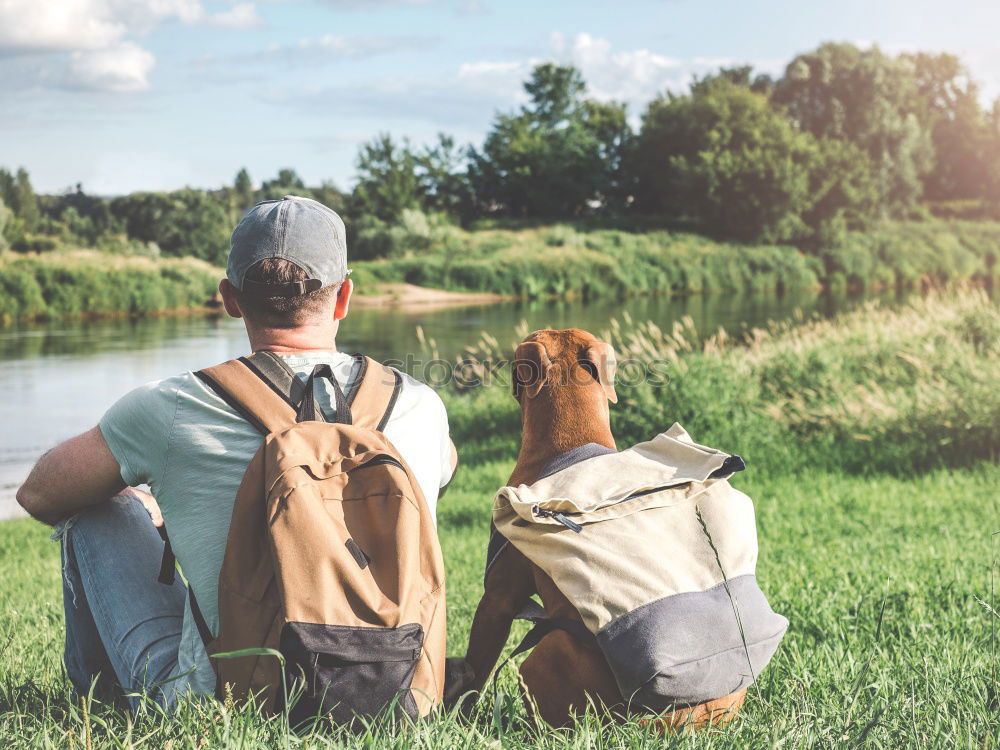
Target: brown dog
(563, 381)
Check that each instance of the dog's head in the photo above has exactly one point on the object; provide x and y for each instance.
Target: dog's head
(573, 358)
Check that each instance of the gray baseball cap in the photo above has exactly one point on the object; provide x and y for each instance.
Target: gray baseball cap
(299, 230)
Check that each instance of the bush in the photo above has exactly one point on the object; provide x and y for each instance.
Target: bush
(61, 284)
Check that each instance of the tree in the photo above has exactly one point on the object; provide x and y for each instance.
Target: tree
(723, 158)
(4, 218)
(387, 179)
(184, 222)
(959, 128)
(443, 177)
(286, 182)
(77, 216)
(556, 92)
(842, 92)
(16, 191)
(991, 157)
(14, 227)
(559, 156)
(25, 204)
(740, 76)
(287, 177)
(243, 188)
(330, 195)
(608, 123)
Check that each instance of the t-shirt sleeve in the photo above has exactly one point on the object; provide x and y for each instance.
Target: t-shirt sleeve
(137, 430)
(445, 449)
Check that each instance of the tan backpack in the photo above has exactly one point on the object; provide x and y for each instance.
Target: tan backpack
(332, 556)
(657, 552)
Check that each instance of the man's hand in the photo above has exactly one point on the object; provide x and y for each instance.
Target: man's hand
(72, 476)
(148, 501)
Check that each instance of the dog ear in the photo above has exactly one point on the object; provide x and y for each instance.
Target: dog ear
(599, 359)
(530, 368)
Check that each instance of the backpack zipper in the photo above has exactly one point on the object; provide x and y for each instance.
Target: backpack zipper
(380, 460)
(556, 516)
(562, 518)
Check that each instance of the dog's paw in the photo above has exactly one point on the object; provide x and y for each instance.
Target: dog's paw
(458, 679)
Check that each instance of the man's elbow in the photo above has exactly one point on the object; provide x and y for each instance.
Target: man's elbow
(27, 498)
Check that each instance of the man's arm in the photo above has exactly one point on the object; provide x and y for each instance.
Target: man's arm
(72, 476)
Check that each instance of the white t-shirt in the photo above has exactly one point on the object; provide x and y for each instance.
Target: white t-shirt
(192, 449)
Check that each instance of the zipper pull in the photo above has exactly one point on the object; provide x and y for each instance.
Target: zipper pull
(558, 517)
(571, 525)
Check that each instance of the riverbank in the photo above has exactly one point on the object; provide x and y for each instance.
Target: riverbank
(88, 284)
(871, 444)
(81, 283)
(490, 265)
(410, 296)
(589, 262)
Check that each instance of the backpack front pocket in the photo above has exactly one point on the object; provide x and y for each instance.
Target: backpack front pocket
(349, 672)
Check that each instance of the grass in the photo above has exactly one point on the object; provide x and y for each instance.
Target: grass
(878, 540)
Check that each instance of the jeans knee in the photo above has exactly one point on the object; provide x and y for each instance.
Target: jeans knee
(119, 508)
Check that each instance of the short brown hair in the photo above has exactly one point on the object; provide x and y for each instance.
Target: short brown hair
(284, 312)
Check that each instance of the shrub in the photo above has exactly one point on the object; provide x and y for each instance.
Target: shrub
(61, 284)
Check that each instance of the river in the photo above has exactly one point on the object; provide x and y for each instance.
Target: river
(58, 378)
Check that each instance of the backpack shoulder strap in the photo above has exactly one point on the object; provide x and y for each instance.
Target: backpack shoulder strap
(252, 395)
(372, 399)
(274, 371)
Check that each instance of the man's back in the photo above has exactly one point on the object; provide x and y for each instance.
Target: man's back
(192, 448)
(287, 279)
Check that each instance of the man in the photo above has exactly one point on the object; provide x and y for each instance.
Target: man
(287, 280)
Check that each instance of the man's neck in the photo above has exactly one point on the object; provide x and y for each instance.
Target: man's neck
(308, 338)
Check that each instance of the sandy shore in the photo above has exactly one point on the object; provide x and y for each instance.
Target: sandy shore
(409, 295)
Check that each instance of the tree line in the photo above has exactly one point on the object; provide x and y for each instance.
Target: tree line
(845, 138)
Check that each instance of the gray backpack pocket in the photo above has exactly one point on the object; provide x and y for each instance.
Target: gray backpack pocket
(689, 648)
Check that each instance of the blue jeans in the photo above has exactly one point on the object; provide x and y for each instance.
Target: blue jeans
(122, 625)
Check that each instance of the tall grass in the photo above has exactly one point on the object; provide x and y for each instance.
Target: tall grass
(871, 444)
(87, 282)
(564, 261)
(873, 390)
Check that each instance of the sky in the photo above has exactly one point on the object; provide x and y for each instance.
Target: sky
(124, 95)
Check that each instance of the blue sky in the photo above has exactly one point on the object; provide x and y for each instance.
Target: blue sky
(126, 95)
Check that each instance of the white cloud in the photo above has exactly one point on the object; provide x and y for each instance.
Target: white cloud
(313, 51)
(488, 69)
(332, 46)
(465, 100)
(124, 67)
(95, 38)
(39, 26)
(631, 76)
(240, 16)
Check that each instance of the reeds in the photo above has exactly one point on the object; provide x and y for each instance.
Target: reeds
(877, 389)
(562, 261)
